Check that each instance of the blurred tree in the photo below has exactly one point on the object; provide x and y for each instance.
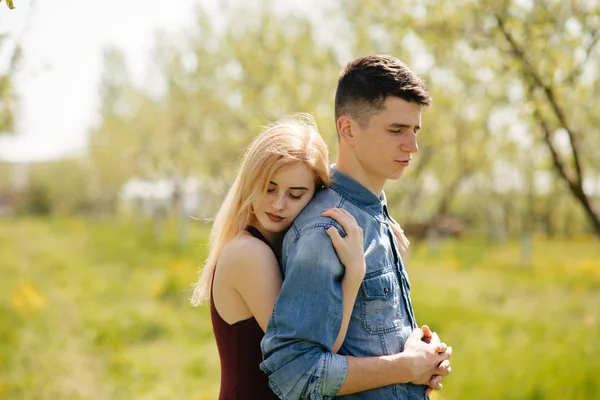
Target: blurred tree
(480, 154)
(7, 92)
(9, 3)
(492, 77)
(57, 187)
(460, 114)
(211, 95)
(110, 150)
(557, 69)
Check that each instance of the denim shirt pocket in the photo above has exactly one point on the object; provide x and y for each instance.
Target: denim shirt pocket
(379, 303)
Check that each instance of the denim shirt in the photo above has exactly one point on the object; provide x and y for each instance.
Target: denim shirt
(308, 312)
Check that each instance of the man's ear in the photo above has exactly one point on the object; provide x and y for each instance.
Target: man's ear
(344, 128)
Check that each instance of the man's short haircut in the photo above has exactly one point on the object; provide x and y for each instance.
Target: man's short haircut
(368, 81)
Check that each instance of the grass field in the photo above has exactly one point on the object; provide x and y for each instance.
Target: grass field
(98, 310)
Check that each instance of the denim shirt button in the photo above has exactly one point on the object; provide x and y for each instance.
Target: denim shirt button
(386, 290)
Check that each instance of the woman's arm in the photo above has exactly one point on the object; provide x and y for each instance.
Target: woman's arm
(350, 251)
(349, 291)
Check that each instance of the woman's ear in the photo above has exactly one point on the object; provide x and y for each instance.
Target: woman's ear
(344, 128)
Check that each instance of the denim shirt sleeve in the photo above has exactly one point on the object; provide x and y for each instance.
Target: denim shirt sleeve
(306, 320)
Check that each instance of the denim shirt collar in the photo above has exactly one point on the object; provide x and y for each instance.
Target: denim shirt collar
(358, 194)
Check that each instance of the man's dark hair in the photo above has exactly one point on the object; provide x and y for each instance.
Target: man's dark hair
(368, 81)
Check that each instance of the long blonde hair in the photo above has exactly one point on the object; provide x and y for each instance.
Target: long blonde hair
(286, 141)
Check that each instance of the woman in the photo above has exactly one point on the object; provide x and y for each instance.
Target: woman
(280, 172)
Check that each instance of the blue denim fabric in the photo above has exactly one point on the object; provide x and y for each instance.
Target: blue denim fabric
(308, 312)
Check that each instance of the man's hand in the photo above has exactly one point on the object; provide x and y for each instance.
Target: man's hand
(425, 359)
(435, 383)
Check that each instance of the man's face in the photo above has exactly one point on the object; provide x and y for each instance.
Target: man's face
(383, 145)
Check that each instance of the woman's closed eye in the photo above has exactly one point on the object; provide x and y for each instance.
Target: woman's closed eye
(294, 196)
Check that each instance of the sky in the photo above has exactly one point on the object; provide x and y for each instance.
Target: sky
(57, 81)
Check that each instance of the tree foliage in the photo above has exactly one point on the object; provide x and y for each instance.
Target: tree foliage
(7, 90)
(513, 101)
(9, 3)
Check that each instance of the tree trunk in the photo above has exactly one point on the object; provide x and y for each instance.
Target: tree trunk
(534, 82)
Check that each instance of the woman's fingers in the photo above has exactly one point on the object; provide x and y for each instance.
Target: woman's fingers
(334, 235)
(350, 248)
(403, 242)
(344, 218)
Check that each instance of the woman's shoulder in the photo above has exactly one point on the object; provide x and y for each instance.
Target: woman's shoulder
(244, 250)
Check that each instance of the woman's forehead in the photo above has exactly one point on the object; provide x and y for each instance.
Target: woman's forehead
(297, 174)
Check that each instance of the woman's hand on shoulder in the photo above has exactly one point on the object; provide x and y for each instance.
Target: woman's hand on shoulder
(400, 236)
(350, 249)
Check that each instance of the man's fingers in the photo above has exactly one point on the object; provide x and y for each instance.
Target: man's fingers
(417, 333)
(436, 382)
(445, 367)
(426, 334)
(426, 330)
(441, 347)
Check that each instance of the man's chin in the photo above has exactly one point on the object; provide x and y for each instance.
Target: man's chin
(395, 175)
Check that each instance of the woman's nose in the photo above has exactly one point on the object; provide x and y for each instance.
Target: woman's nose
(278, 203)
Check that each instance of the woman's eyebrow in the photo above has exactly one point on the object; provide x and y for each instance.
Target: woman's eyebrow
(292, 188)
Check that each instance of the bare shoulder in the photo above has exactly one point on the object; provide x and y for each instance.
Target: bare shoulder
(245, 252)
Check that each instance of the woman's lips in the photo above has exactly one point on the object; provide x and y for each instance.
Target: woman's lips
(274, 218)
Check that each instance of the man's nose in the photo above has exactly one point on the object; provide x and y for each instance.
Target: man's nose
(410, 144)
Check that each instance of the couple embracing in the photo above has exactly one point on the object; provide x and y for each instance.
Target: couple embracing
(309, 295)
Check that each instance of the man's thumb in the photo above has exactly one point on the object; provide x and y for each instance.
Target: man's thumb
(426, 330)
(417, 333)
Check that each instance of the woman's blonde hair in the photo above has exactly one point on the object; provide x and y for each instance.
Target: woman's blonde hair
(291, 139)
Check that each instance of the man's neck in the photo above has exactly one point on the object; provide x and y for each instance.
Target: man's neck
(355, 171)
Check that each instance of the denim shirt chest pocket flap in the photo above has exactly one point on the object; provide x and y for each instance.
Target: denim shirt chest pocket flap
(380, 303)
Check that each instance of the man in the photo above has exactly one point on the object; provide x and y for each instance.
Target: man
(384, 356)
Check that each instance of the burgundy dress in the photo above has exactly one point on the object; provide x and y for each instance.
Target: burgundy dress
(239, 350)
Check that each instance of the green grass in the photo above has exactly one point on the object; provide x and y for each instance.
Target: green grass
(518, 330)
(98, 310)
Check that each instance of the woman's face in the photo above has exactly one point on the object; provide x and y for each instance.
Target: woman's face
(291, 187)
